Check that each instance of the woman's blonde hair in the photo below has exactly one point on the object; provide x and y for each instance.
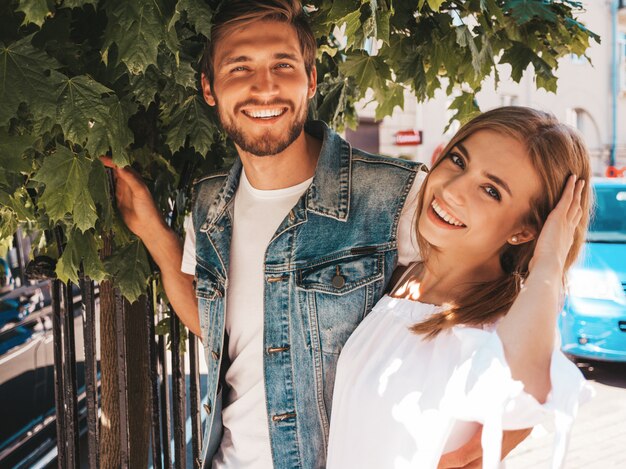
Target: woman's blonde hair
(556, 151)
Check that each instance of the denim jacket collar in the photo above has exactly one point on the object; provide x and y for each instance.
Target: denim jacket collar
(329, 193)
(225, 196)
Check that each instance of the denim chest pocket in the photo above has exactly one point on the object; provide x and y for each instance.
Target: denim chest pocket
(339, 293)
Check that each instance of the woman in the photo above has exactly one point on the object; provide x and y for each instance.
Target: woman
(468, 335)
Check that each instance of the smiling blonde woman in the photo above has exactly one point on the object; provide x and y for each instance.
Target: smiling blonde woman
(467, 337)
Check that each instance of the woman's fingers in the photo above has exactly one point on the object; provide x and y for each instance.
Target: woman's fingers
(569, 193)
(575, 205)
(565, 202)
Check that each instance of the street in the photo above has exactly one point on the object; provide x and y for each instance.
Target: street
(598, 439)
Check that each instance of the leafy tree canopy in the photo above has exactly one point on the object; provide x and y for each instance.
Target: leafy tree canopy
(81, 78)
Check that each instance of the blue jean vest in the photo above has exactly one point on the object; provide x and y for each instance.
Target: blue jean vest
(325, 267)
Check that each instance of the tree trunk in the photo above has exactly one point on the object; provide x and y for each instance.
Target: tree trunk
(109, 420)
(138, 382)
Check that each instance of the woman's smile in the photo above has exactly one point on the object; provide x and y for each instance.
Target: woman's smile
(443, 217)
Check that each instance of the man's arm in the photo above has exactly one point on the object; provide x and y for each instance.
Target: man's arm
(144, 219)
(470, 455)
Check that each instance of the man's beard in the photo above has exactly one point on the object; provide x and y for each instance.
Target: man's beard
(266, 144)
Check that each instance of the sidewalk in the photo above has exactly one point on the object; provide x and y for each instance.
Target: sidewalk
(598, 439)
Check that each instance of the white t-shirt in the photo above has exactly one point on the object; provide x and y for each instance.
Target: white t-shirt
(257, 215)
(427, 397)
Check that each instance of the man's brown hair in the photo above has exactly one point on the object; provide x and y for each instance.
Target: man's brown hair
(240, 13)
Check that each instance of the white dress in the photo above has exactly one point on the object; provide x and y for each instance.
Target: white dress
(401, 401)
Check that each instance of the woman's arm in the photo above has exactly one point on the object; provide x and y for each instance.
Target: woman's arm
(527, 331)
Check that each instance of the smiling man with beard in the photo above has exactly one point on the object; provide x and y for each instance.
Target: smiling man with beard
(285, 252)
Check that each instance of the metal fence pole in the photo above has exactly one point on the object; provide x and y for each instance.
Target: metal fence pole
(155, 412)
(70, 378)
(70, 400)
(178, 393)
(91, 369)
(166, 431)
(59, 396)
(120, 336)
(194, 398)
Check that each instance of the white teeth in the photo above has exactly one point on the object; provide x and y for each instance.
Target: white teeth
(445, 215)
(265, 113)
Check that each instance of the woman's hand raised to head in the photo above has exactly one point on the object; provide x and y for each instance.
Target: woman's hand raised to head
(557, 235)
(134, 201)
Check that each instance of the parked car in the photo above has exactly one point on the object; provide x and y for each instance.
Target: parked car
(593, 321)
(27, 412)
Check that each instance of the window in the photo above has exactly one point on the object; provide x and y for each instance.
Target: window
(508, 100)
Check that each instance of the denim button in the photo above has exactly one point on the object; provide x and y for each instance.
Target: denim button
(339, 281)
(207, 408)
(215, 355)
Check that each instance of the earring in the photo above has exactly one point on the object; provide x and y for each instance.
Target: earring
(514, 239)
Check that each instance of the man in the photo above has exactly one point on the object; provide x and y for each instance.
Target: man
(285, 253)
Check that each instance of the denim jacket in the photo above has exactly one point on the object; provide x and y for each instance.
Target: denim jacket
(325, 267)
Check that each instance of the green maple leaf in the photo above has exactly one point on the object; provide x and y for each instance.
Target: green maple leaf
(8, 224)
(84, 213)
(12, 149)
(199, 15)
(99, 189)
(137, 28)
(465, 108)
(91, 116)
(368, 71)
(35, 11)
(78, 3)
(65, 175)
(130, 269)
(22, 205)
(519, 57)
(353, 31)
(524, 11)
(145, 85)
(335, 95)
(465, 38)
(114, 134)
(19, 205)
(81, 247)
(339, 9)
(191, 119)
(24, 78)
(383, 20)
(388, 98)
(434, 5)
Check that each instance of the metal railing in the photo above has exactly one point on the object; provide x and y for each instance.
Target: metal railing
(167, 416)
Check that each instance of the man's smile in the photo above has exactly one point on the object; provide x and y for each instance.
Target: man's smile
(265, 113)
